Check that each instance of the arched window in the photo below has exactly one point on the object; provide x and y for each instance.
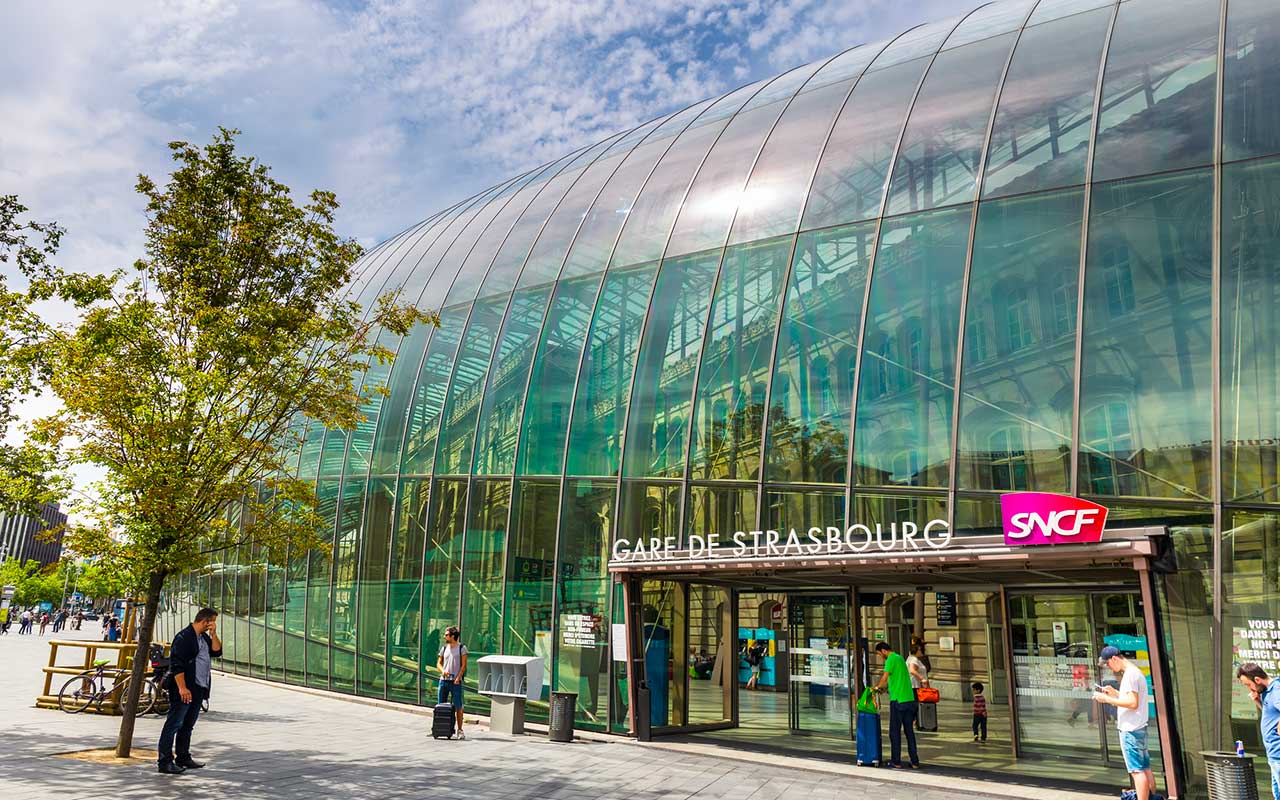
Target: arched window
(913, 353)
(905, 466)
(822, 387)
(977, 347)
(875, 362)
(1107, 429)
(1008, 455)
(1062, 298)
(1017, 319)
(1117, 279)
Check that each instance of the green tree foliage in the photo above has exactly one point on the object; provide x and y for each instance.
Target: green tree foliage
(28, 278)
(33, 582)
(190, 387)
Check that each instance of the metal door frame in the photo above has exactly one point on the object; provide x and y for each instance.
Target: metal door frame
(793, 710)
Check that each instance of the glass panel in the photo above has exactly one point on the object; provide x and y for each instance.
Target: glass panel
(843, 68)
(817, 352)
(424, 259)
(554, 374)
(1251, 81)
(649, 510)
(713, 199)
(978, 515)
(394, 418)
(582, 660)
(722, 510)
(1047, 10)
(648, 226)
(372, 606)
(342, 635)
(730, 399)
(990, 20)
(850, 181)
(886, 510)
(508, 378)
(771, 203)
(442, 574)
(669, 350)
(938, 162)
(711, 641)
(1251, 604)
(531, 554)
(905, 389)
(663, 633)
(318, 590)
(404, 593)
(1145, 397)
(1251, 332)
(482, 564)
(457, 438)
(1017, 381)
(604, 380)
(1041, 134)
(922, 40)
(804, 510)
(295, 616)
(1159, 89)
(428, 395)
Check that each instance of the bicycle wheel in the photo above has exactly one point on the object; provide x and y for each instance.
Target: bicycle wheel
(79, 692)
(146, 697)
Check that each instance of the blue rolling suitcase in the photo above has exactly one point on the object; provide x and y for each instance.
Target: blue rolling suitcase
(870, 749)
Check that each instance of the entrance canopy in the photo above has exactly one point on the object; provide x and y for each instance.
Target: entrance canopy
(963, 561)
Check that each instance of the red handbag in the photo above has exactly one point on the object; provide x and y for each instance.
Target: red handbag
(928, 694)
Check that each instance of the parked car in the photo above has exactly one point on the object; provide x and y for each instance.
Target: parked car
(90, 615)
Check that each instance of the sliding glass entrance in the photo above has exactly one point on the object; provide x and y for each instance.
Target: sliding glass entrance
(819, 632)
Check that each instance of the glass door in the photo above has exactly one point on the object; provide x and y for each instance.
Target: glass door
(818, 634)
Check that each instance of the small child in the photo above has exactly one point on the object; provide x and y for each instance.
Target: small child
(979, 712)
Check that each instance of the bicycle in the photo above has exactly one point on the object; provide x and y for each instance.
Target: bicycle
(91, 688)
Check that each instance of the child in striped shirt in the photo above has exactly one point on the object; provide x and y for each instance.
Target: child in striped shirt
(979, 712)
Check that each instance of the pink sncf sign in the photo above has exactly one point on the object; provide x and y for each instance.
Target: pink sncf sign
(1041, 518)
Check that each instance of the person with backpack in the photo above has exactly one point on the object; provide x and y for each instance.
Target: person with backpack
(452, 663)
(755, 660)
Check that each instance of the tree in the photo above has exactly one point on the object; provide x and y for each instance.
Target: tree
(33, 582)
(190, 387)
(29, 474)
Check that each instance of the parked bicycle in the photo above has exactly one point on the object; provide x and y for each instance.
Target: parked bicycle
(94, 686)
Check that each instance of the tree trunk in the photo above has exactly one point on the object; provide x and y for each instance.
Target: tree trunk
(141, 664)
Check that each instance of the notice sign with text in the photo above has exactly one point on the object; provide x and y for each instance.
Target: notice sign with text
(578, 630)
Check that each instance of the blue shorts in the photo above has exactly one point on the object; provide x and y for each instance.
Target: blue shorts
(1134, 746)
(450, 692)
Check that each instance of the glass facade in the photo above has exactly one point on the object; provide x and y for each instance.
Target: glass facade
(1028, 249)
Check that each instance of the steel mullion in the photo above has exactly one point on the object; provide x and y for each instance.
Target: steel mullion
(958, 366)
(850, 479)
(1215, 370)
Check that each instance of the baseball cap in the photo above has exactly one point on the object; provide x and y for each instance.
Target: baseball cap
(1109, 652)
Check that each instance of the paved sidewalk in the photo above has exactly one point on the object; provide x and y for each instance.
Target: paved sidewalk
(267, 741)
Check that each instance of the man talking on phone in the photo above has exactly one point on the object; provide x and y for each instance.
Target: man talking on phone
(190, 668)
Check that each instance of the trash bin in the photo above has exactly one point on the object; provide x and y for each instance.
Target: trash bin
(1230, 776)
(562, 708)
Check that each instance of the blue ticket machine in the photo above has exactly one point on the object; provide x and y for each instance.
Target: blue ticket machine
(657, 657)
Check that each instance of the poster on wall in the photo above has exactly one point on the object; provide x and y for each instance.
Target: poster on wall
(1258, 641)
(1059, 633)
(618, 641)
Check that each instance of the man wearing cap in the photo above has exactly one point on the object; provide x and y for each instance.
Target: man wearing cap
(1130, 701)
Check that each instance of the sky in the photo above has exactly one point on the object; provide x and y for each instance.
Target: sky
(400, 107)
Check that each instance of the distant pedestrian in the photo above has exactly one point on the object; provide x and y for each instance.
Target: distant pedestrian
(44, 622)
(979, 712)
(188, 680)
(6, 619)
(79, 619)
(106, 623)
(452, 663)
(1130, 701)
(25, 624)
(60, 621)
(113, 629)
(1266, 693)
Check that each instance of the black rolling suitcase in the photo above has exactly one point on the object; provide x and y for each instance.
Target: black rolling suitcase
(443, 721)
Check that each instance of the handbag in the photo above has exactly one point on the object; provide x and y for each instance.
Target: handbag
(868, 702)
(928, 694)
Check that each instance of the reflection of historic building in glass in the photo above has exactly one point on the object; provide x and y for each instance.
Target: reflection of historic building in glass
(1032, 248)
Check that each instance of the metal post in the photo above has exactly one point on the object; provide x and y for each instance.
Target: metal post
(1169, 749)
(1010, 683)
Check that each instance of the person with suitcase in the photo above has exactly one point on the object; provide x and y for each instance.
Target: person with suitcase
(452, 663)
(902, 706)
(927, 708)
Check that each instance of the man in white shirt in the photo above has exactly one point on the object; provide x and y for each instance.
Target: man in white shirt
(452, 663)
(1130, 701)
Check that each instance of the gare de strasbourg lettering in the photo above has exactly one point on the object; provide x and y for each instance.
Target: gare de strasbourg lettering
(1030, 518)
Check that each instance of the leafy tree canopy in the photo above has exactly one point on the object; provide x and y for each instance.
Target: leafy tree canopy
(190, 388)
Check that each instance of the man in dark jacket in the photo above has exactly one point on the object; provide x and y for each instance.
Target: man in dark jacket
(188, 682)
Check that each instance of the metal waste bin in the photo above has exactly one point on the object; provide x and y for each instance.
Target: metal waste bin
(1230, 776)
(562, 708)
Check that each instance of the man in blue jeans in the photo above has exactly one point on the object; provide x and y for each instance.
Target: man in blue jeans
(902, 706)
(1266, 693)
(452, 663)
(1131, 702)
(188, 681)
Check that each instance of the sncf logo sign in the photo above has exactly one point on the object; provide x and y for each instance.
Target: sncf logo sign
(1043, 518)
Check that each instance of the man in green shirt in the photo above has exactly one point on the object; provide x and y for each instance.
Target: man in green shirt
(902, 706)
